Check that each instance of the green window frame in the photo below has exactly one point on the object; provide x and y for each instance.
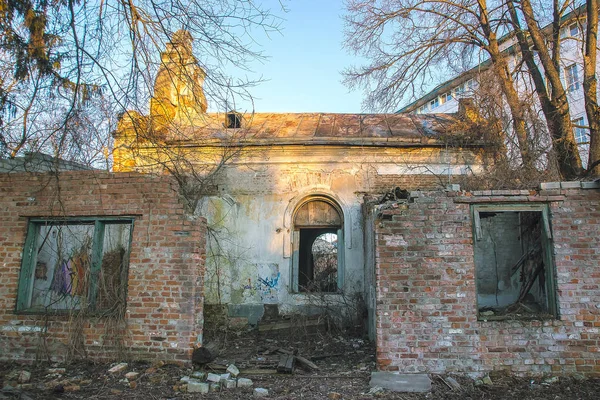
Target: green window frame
(531, 257)
(92, 234)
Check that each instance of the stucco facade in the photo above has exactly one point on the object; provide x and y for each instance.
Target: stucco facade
(254, 172)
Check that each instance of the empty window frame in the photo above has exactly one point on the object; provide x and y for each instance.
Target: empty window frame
(318, 243)
(572, 78)
(513, 262)
(74, 264)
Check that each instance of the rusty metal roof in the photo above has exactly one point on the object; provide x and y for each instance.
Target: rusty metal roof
(324, 128)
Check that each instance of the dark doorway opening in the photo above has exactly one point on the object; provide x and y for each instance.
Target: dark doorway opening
(318, 243)
(318, 260)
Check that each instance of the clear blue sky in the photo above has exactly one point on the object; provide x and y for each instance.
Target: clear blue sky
(305, 61)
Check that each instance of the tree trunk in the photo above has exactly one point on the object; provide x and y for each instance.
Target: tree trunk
(508, 88)
(590, 86)
(516, 109)
(558, 115)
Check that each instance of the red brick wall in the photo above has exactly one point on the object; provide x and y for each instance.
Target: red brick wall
(386, 183)
(426, 295)
(165, 284)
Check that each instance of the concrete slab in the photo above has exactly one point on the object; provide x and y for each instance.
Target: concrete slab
(570, 185)
(407, 383)
(549, 185)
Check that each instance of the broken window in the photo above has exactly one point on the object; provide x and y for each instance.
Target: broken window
(318, 259)
(513, 261)
(74, 265)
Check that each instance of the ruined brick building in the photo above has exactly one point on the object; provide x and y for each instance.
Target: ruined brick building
(294, 213)
(276, 184)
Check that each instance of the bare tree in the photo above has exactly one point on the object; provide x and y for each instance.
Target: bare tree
(553, 101)
(66, 65)
(410, 43)
(590, 85)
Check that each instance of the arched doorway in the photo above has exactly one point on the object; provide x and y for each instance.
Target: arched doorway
(318, 257)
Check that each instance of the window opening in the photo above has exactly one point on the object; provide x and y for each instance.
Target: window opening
(318, 247)
(513, 261)
(74, 265)
(581, 135)
(459, 91)
(572, 77)
(233, 120)
(574, 29)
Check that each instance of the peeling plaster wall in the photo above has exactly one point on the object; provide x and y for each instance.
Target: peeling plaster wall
(249, 261)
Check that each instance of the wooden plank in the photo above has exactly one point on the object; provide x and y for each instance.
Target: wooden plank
(307, 364)
(255, 371)
(317, 213)
(276, 326)
(26, 278)
(96, 267)
(216, 367)
(295, 260)
(341, 268)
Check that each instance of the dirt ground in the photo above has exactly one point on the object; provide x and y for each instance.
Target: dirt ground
(344, 371)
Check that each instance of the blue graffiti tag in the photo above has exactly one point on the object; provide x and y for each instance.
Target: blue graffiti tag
(270, 282)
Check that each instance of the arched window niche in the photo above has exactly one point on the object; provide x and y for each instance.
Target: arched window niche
(318, 246)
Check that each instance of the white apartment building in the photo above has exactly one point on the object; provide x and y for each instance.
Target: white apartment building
(444, 98)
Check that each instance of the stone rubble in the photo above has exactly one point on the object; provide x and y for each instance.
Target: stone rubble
(197, 387)
(224, 377)
(244, 382)
(132, 376)
(198, 374)
(24, 376)
(213, 377)
(118, 368)
(230, 384)
(200, 382)
(233, 370)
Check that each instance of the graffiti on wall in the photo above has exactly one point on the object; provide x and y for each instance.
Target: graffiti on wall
(267, 284)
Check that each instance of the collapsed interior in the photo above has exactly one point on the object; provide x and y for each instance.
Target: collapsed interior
(513, 265)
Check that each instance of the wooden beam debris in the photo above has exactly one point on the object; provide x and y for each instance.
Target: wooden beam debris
(287, 363)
